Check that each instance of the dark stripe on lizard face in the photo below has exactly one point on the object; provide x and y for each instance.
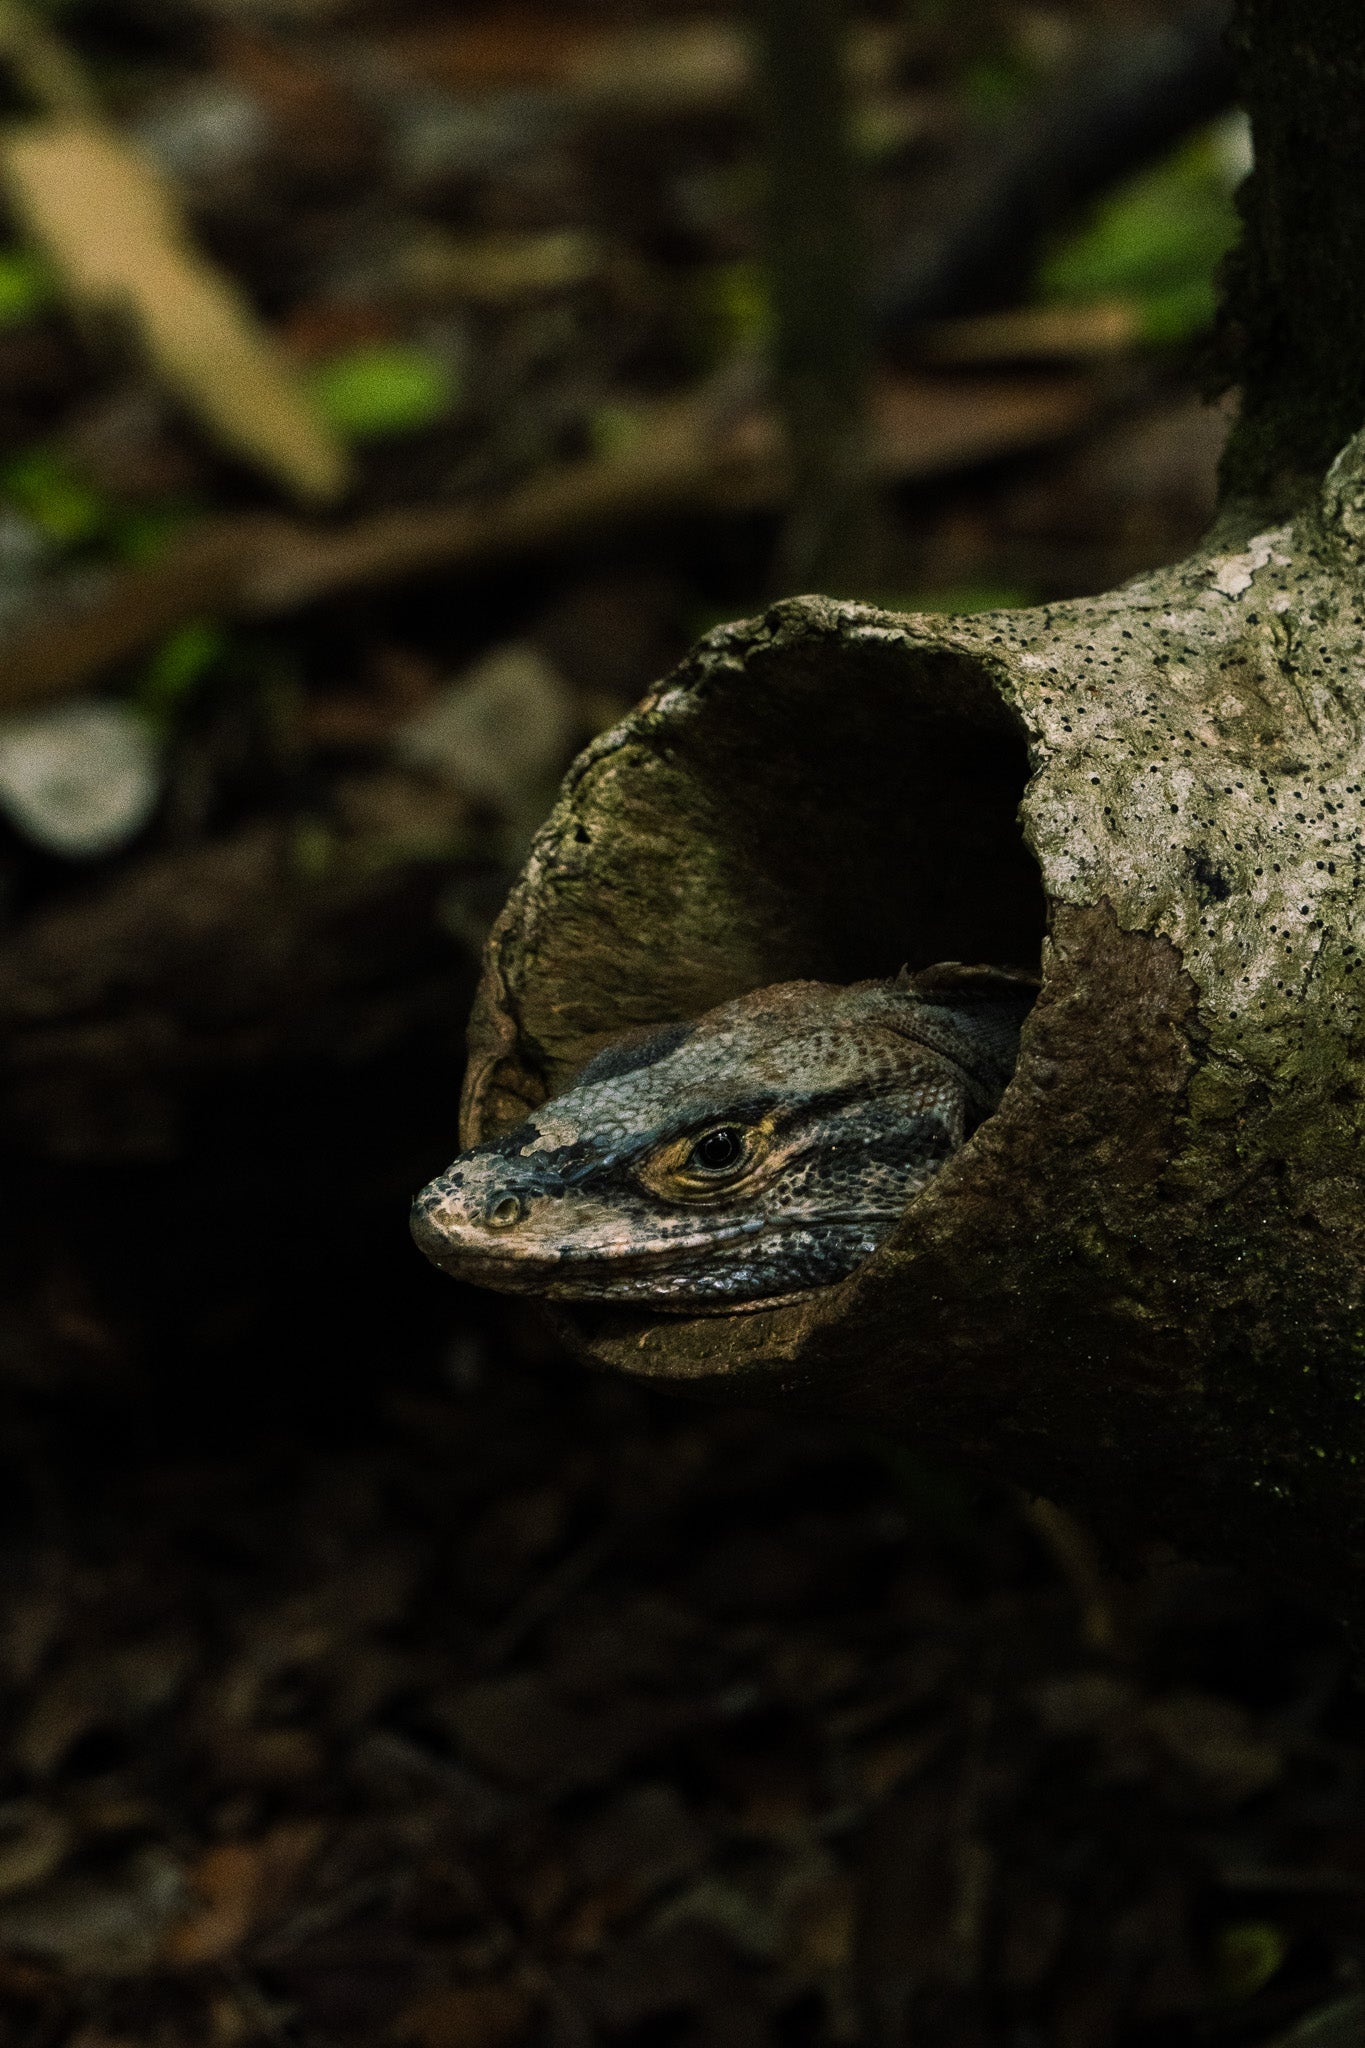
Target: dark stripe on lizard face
(616, 1061)
(752, 1109)
(925, 1140)
(582, 1166)
(588, 1165)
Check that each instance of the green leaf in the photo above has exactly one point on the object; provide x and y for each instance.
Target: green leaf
(385, 388)
(1247, 1955)
(312, 849)
(143, 533)
(26, 287)
(618, 427)
(1158, 240)
(997, 84)
(52, 493)
(736, 308)
(1180, 311)
(45, 488)
(176, 669)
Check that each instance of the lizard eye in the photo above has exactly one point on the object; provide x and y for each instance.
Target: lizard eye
(713, 1163)
(716, 1151)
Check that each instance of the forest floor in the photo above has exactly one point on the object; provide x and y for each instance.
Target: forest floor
(490, 1702)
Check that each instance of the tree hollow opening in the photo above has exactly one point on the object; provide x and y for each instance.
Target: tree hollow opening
(791, 805)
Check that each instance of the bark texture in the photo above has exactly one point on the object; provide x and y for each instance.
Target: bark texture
(818, 279)
(1293, 323)
(1141, 1286)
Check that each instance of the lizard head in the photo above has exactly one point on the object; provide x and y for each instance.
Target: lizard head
(763, 1150)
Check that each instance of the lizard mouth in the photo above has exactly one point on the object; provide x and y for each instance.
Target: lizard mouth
(882, 1222)
(465, 1249)
(462, 1248)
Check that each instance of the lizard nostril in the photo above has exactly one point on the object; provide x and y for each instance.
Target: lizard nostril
(502, 1215)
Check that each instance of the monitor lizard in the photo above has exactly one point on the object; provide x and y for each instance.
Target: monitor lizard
(749, 1156)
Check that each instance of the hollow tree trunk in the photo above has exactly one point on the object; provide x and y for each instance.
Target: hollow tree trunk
(1141, 1286)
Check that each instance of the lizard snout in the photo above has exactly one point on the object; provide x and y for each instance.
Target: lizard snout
(460, 1217)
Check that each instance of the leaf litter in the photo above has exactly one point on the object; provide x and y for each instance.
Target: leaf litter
(774, 1752)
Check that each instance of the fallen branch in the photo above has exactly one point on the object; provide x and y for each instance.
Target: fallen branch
(1033, 334)
(680, 462)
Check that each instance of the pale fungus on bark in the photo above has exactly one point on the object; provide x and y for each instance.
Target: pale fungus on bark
(1140, 1287)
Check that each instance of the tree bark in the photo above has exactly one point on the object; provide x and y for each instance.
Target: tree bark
(1140, 1288)
(1292, 327)
(819, 290)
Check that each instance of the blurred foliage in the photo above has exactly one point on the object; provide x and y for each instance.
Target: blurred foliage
(878, 133)
(194, 328)
(312, 849)
(960, 598)
(26, 287)
(735, 306)
(176, 670)
(143, 533)
(385, 388)
(59, 502)
(1157, 240)
(1247, 1955)
(74, 515)
(616, 427)
(998, 83)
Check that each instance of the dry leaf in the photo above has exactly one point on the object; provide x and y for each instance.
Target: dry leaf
(466, 2016)
(682, 460)
(98, 1689)
(114, 234)
(235, 1885)
(1216, 1742)
(1021, 334)
(33, 1842)
(109, 1924)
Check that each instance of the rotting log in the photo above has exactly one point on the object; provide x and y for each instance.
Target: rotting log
(1140, 1287)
